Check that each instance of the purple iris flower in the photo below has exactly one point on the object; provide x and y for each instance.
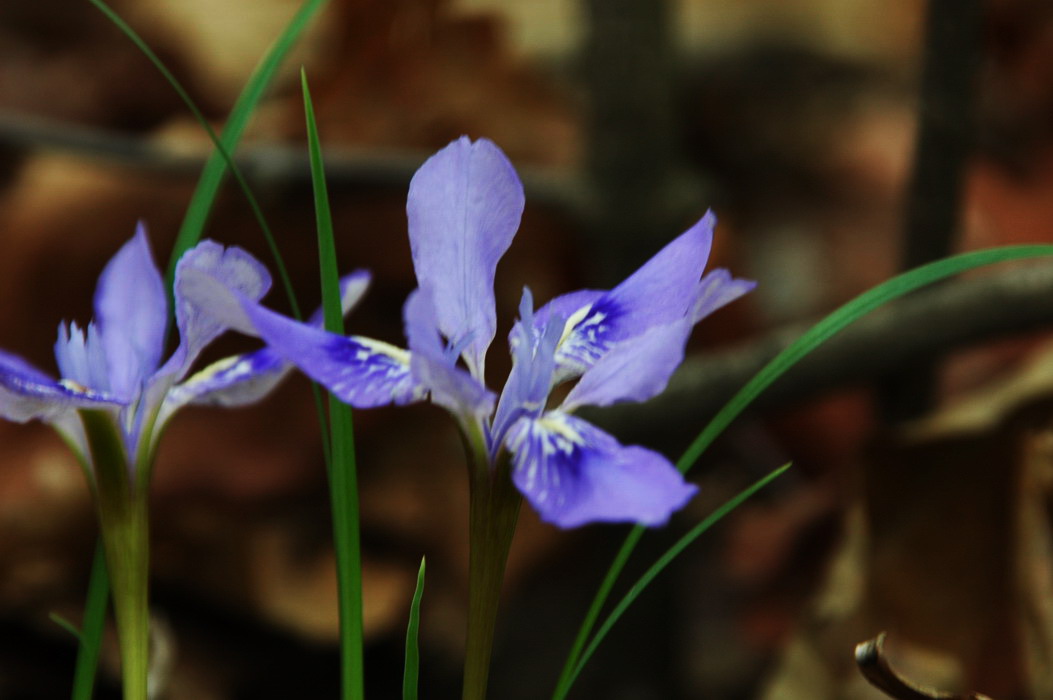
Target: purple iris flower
(464, 208)
(114, 365)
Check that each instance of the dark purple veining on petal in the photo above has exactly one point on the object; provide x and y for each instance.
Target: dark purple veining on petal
(374, 372)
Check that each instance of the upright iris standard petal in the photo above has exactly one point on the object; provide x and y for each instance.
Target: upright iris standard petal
(235, 270)
(131, 313)
(633, 370)
(26, 393)
(464, 207)
(434, 368)
(81, 356)
(533, 365)
(353, 287)
(660, 292)
(574, 473)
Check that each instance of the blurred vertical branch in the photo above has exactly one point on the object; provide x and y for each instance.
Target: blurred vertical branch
(946, 119)
(632, 161)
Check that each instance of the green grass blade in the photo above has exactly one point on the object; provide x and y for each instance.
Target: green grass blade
(215, 169)
(334, 317)
(65, 624)
(212, 176)
(412, 673)
(92, 626)
(343, 480)
(832, 324)
(664, 561)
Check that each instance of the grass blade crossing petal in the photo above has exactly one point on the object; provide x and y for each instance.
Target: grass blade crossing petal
(829, 326)
(343, 480)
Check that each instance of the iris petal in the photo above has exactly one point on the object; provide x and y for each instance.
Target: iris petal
(27, 393)
(233, 381)
(662, 290)
(81, 357)
(199, 323)
(633, 370)
(359, 371)
(464, 207)
(434, 370)
(533, 364)
(131, 313)
(243, 379)
(353, 287)
(659, 293)
(574, 473)
(716, 289)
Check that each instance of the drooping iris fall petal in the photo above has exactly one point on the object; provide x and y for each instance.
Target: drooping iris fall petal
(574, 473)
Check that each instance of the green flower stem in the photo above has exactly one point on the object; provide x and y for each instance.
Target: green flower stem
(494, 508)
(125, 534)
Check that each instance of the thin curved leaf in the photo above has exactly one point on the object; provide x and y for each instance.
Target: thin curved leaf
(829, 326)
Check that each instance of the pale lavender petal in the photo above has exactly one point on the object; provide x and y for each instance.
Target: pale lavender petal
(633, 370)
(569, 305)
(716, 289)
(587, 335)
(533, 365)
(199, 315)
(660, 292)
(464, 207)
(574, 473)
(81, 357)
(27, 393)
(244, 379)
(131, 313)
(233, 381)
(359, 371)
(211, 298)
(435, 370)
(352, 287)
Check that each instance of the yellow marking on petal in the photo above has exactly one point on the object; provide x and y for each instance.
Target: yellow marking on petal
(379, 347)
(573, 320)
(74, 386)
(213, 369)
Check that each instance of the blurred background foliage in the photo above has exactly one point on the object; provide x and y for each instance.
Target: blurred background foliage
(795, 120)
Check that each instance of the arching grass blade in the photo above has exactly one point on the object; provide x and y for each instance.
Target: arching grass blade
(664, 561)
(208, 186)
(832, 324)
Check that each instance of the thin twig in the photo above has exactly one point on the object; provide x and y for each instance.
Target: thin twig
(873, 664)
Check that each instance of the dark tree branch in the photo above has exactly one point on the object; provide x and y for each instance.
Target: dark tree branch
(268, 164)
(946, 119)
(924, 326)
